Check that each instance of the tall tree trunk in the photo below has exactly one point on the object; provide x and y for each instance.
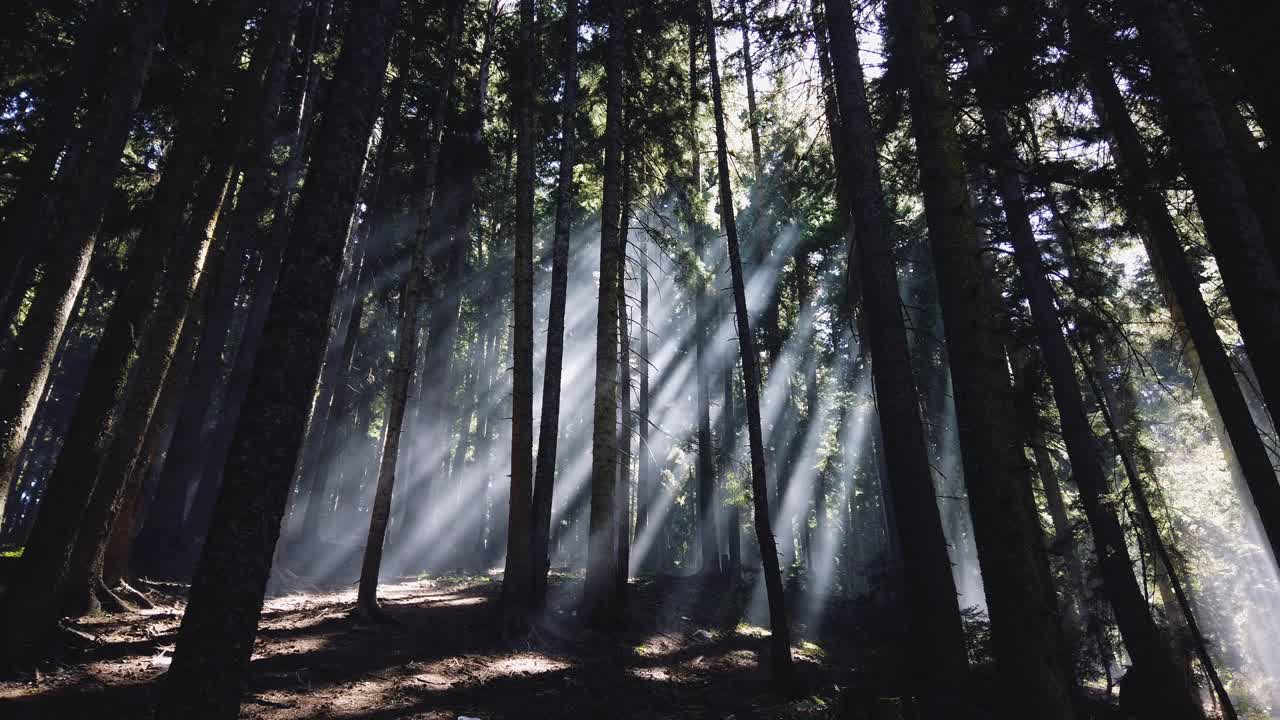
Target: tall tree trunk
(979, 369)
(645, 485)
(518, 575)
(271, 257)
(625, 428)
(706, 508)
(411, 298)
(549, 426)
(29, 212)
(1104, 394)
(1243, 32)
(937, 651)
(155, 355)
(181, 469)
(1062, 539)
(1215, 378)
(1053, 681)
(780, 638)
(254, 102)
(216, 637)
(24, 378)
(92, 437)
(1249, 273)
(599, 594)
(753, 113)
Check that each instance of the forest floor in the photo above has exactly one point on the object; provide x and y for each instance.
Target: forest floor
(686, 653)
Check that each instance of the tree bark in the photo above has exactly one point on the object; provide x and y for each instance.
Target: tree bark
(549, 426)
(254, 102)
(29, 212)
(1249, 273)
(599, 594)
(24, 378)
(518, 576)
(780, 638)
(706, 467)
(1133, 616)
(411, 298)
(1216, 382)
(1104, 394)
(625, 428)
(216, 638)
(937, 650)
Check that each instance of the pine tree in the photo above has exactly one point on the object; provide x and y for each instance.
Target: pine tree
(549, 426)
(780, 637)
(937, 655)
(216, 637)
(519, 567)
(599, 594)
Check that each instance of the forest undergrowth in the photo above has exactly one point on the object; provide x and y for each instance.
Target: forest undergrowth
(443, 657)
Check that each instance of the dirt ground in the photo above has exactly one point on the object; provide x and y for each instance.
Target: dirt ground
(685, 654)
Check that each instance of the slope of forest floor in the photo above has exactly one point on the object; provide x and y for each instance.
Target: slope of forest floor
(685, 654)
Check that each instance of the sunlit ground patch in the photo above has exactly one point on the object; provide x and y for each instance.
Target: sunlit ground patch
(528, 664)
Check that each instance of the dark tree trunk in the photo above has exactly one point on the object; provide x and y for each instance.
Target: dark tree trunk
(181, 469)
(1249, 273)
(1216, 380)
(518, 575)
(753, 114)
(599, 598)
(254, 104)
(1053, 682)
(625, 429)
(1243, 32)
(411, 297)
(216, 638)
(706, 508)
(1104, 394)
(90, 439)
(937, 650)
(780, 639)
(24, 377)
(955, 250)
(155, 355)
(549, 427)
(271, 256)
(29, 212)
(645, 484)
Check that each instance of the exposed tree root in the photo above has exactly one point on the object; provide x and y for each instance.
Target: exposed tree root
(371, 614)
(124, 590)
(109, 601)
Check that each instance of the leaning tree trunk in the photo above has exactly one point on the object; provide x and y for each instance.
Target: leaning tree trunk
(1054, 680)
(216, 638)
(977, 364)
(519, 566)
(183, 274)
(28, 369)
(87, 452)
(780, 639)
(1215, 378)
(181, 468)
(937, 660)
(29, 212)
(1104, 395)
(1250, 275)
(600, 591)
(407, 334)
(155, 355)
(549, 426)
